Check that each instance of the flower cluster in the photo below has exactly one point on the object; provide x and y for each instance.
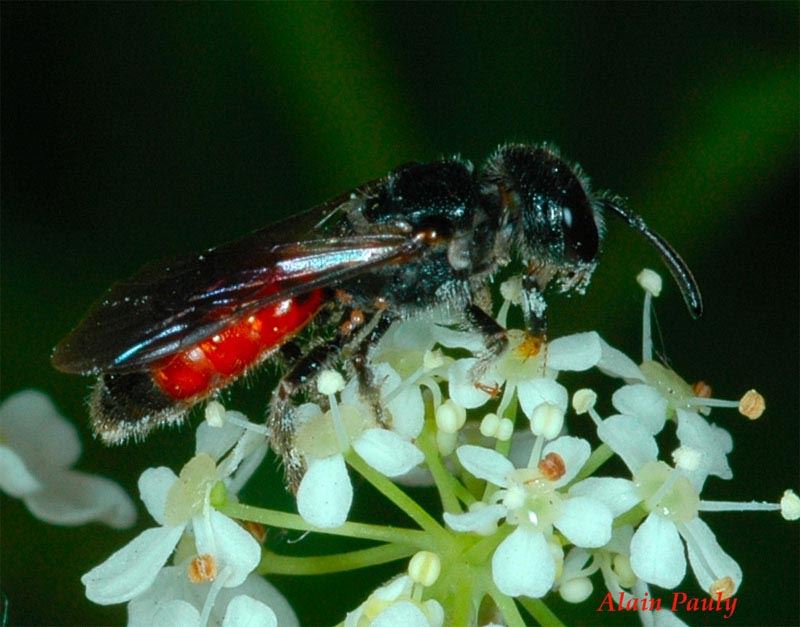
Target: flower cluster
(525, 509)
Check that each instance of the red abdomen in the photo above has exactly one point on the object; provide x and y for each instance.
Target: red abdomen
(212, 363)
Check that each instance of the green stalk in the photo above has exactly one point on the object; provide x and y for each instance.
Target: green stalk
(274, 564)
(398, 497)
(364, 531)
(441, 477)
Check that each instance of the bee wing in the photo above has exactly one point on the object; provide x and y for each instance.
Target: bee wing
(169, 306)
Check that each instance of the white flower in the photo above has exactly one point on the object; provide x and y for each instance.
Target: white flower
(525, 563)
(657, 554)
(325, 493)
(529, 368)
(180, 504)
(174, 600)
(394, 604)
(37, 449)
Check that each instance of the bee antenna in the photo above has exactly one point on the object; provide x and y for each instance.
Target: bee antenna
(677, 266)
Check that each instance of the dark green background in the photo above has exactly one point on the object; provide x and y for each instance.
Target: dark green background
(132, 132)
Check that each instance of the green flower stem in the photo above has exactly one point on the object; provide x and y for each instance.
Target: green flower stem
(460, 490)
(398, 497)
(364, 531)
(502, 447)
(441, 477)
(540, 612)
(599, 456)
(274, 564)
(459, 604)
(507, 607)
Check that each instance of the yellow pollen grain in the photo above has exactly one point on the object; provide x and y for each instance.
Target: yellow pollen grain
(257, 530)
(752, 405)
(202, 569)
(724, 586)
(552, 466)
(531, 346)
(701, 389)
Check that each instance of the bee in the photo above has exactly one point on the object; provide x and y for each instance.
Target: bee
(427, 237)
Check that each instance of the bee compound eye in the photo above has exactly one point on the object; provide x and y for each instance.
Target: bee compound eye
(581, 239)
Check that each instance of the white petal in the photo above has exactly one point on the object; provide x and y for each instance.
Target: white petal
(534, 392)
(325, 493)
(131, 570)
(709, 562)
(154, 486)
(574, 451)
(523, 565)
(619, 495)
(232, 546)
(657, 552)
(478, 520)
(574, 352)
(216, 441)
(387, 452)
(403, 613)
(585, 521)
(461, 385)
(406, 406)
(473, 342)
(171, 583)
(629, 439)
(76, 498)
(643, 402)
(246, 612)
(713, 442)
(174, 613)
(485, 463)
(616, 364)
(15, 479)
(256, 587)
(32, 426)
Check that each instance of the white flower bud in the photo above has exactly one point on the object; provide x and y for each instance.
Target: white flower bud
(547, 420)
(215, 414)
(650, 281)
(504, 430)
(450, 417)
(576, 590)
(489, 425)
(424, 568)
(330, 382)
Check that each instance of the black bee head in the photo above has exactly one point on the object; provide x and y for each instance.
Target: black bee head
(546, 213)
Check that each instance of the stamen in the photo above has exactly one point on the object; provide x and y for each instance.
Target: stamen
(736, 506)
(552, 466)
(505, 430)
(722, 588)
(215, 414)
(752, 405)
(547, 420)
(651, 283)
(790, 505)
(202, 569)
(583, 400)
(424, 568)
(701, 389)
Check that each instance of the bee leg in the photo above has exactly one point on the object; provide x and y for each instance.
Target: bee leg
(495, 338)
(368, 387)
(298, 386)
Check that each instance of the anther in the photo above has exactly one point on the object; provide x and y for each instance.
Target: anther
(202, 569)
(752, 405)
